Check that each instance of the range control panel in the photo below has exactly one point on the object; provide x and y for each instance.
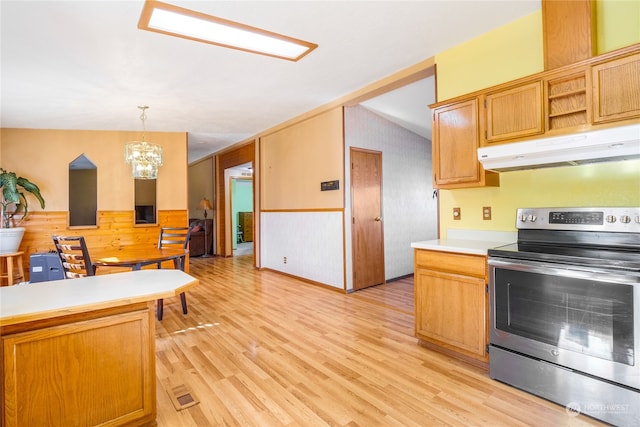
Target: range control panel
(619, 219)
(587, 218)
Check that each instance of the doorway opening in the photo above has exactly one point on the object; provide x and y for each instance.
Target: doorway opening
(239, 226)
(242, 158)
(409, 202)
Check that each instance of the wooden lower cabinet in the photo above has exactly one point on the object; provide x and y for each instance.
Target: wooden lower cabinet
(90, 369)
(451, 304)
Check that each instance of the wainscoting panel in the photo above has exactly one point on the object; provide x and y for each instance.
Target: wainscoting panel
(115, 229)
(305, 244)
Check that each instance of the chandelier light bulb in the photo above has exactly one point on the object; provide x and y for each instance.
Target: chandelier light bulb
(144, 157)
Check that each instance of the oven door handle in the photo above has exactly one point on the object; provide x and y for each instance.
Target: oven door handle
(571, 271)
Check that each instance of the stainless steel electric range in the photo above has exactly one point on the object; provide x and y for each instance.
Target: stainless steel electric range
(565, 310)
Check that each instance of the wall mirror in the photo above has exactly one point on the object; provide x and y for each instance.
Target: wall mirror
(83, 192)
(145, 201)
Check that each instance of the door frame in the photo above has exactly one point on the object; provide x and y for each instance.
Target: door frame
(229, 229)
(227, 160)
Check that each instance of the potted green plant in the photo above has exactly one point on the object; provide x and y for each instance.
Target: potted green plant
(13, 196)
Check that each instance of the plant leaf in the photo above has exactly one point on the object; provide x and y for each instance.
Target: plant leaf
(9, 188)
(31, 188)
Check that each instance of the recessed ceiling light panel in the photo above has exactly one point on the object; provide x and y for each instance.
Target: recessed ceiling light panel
(179, 22)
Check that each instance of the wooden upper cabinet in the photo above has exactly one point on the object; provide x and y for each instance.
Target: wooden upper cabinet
(513, 113)
(455, 146)
(568, 32)
(567, 100)
(573, 98)
(616, 89)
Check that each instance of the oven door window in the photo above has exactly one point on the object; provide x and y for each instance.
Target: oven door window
(586, 316)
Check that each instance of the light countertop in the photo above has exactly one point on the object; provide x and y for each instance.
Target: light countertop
(474, 247)
(475, 242)
(42, 300)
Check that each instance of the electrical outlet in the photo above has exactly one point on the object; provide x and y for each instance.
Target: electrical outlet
(456, 214)
(486, 213)
(284, 260)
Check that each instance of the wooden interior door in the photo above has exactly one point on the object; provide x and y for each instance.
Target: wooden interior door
(367, 231)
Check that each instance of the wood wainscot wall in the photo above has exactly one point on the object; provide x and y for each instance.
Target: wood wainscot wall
(115, 229)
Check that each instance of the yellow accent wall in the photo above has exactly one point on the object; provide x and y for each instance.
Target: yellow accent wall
(601, 184)
(516, 49)
(618, 23)
(507, 53)
(513, 51)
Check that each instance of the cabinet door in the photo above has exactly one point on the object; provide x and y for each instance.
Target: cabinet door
(455, 146)
(616, 89)
(93, 372)
(513, 113)
(451, 311)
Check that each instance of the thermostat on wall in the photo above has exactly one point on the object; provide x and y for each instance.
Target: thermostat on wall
(330, 185)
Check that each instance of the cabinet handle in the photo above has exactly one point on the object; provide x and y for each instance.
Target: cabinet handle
(377, 219)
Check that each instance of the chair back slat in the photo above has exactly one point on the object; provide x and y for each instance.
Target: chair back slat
(174, 236)
(74, 255)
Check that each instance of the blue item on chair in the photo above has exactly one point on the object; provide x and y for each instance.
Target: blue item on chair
(45, 266)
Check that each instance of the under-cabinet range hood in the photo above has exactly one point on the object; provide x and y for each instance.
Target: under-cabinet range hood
(610, 144)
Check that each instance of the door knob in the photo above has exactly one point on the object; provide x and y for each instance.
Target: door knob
(377, 218)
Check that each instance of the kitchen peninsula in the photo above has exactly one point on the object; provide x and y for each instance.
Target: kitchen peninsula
(451, 300)
(82, 351)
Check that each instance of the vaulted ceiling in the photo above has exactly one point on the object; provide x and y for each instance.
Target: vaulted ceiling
(86, 65)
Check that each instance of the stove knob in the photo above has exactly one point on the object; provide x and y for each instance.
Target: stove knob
(625, 219)
(523, 218)
(638, 219)
(532, 218)
(611, 218)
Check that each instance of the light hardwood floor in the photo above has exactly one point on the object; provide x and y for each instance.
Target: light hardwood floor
(262, 349)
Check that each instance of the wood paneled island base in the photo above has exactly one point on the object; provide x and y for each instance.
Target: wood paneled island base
(81, 365)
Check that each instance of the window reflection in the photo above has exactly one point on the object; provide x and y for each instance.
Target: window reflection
(83, 192)
(145, 201)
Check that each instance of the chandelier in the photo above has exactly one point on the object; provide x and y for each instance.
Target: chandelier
(143, 156)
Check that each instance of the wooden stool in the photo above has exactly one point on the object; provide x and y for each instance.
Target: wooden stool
(10, 275)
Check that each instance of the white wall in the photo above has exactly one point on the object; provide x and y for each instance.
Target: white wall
(311, 242)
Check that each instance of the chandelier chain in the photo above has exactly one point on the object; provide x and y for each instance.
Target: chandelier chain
(143, 117)
(144, 157)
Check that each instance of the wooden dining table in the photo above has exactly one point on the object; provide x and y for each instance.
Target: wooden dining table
(136, 258)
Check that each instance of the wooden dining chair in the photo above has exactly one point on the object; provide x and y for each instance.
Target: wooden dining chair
(174, 237)
(74, 255)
